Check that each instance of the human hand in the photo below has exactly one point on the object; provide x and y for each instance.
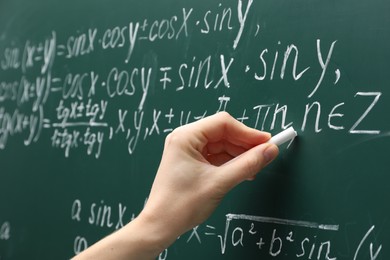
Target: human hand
(201, 162)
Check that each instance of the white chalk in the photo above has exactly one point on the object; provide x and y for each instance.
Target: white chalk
(285, 136)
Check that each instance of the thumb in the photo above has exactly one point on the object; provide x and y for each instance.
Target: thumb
(248, 164)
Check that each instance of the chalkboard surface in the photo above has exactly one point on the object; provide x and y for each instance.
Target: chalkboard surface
(90, 89)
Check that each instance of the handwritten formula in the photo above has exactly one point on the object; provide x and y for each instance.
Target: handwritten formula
(129, 82)
(270, 237)
(85, 118)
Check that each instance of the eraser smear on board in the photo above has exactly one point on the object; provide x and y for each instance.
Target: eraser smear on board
(283, 137)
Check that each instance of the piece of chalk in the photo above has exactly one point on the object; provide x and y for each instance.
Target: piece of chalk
(282, 137)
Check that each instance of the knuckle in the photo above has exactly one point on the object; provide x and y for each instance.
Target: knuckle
(175, 137)
(224, 115)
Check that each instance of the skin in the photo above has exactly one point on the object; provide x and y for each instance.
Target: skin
(201, 163)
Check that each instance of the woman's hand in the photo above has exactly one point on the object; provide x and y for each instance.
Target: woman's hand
(201, 162)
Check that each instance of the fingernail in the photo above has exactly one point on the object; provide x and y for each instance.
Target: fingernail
(270, 153)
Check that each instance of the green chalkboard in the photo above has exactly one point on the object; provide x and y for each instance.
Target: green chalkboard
(90, 89)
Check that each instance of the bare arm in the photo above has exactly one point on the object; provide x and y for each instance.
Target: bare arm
(201, 162)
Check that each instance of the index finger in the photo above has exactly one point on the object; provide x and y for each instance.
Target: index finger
(222, 126)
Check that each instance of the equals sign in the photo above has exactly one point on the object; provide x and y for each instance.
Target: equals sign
(56, 81)
(61, 50)
(46, 123)
(209, 233)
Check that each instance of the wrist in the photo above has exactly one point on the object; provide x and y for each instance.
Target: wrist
(149, 234)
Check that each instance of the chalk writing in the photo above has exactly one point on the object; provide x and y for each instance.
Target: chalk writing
(5, 231)
(30, 126)
(297, 75)
(285, 238)
(84, 116)
(80, 244)
(374, 253)
(297, 239)
(100, 214)
(80, 45)
(97, 85)
(275, 244)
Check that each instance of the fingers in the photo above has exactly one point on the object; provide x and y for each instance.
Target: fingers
(222, 152)
(222, 126)
(247, 164)
(238, 150)
(225, 146)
